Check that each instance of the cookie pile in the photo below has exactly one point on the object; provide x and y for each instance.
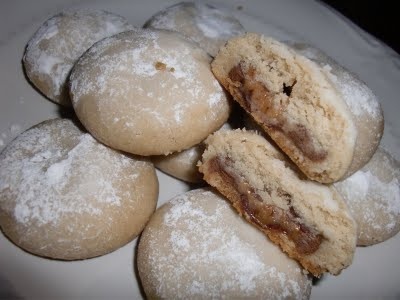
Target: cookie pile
(287, 195)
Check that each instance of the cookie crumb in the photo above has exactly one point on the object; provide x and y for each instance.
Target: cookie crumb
(160, 66)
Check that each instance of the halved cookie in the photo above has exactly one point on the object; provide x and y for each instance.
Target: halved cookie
(308, 220)
(363, 104)
(293, 100)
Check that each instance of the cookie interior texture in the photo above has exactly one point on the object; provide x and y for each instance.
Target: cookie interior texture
(308, 220)
(196, 247)
(363, 104)
(292, 100)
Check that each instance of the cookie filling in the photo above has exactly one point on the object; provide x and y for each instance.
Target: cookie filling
(268, 217)
(258, 101)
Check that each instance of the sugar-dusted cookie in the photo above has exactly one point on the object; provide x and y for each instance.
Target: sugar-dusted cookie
(64, 195)
(196, 247)
(148, 92)
(293, 100)
(60, 41)
(373, 197)
(308, 220)
(203, 23)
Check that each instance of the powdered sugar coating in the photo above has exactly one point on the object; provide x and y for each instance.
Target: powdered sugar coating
(198, 248)
(373, 197)
(358, 97)
(38, 180)
(55, 178)
(148, 84)
(202, 23)
(134, 61)
(60, 41)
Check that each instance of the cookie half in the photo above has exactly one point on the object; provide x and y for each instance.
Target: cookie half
(363, 104)
(293, 101)
(308, 220)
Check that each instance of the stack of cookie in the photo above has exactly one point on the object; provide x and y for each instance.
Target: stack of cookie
(288, 196)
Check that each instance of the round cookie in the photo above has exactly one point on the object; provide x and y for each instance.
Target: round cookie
(183, 165)
(202, 23)
(148, 92)
(363, 105)
(293, 101)
(60, 41)
(373, 197)
(308, 220)
(196, 247)
(64, 195)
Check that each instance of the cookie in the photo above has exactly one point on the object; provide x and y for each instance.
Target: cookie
(148, 92)
(203, 23)
(363, 104)
(60, 41)
(308, 220)
(183, 165)
(64, 195)
(293, 100)
(373, 197)
(196, 247)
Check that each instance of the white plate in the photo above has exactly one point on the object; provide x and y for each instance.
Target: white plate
(375, 272)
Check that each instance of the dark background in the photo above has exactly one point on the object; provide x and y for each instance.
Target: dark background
(379, 18)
